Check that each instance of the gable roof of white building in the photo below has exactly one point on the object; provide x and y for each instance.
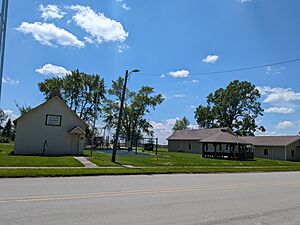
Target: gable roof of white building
(56, 98)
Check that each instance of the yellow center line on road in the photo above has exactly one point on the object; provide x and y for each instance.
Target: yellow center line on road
(138, 192)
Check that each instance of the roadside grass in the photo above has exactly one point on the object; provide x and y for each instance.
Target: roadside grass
(7, 160)
(14, 173)
(171, 159)
(164, 163)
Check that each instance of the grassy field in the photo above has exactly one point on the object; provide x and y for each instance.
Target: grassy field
(164, 163)
(172, 159)
(9, 173)
(7, 160)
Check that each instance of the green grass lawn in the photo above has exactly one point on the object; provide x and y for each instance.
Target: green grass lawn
(8, 173)
(164, 163)
(176, 159)
(7, 160)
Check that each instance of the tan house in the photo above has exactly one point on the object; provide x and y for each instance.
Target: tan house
(276, 147)
(221, 141)
(51, 128)
(215, 143)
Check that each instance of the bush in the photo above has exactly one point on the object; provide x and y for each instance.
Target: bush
(4, 139)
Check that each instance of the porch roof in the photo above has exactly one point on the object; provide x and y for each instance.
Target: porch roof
(224, 137)
(76, 130)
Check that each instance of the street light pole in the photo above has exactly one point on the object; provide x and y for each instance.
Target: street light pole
(114, 153)
(3, 24)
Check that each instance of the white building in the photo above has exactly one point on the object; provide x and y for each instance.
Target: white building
(51, 128)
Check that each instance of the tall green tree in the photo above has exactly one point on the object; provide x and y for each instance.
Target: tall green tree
(23, 108)
(136, 107)
(8, 130)
(237, 107)
(181, 124)
(83, 93)
(3, 117)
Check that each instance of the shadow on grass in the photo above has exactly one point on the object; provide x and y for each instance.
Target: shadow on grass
(41, 155)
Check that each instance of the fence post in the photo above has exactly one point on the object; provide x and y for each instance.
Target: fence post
(156, 146)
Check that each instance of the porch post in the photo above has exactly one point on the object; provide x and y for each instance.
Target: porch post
(215, 148)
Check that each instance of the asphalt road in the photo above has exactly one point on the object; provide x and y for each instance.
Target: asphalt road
(231, 199)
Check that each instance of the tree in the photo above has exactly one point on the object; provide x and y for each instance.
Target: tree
(23, 108)
(7, 130)
(82, 92)
(181, 124)
(3, 117)
(235, 107)
(136, 106)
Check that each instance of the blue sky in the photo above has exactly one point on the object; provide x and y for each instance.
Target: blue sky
(168, 39)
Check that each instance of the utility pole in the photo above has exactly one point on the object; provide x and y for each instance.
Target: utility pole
(3, 24)
(95, 116)
(114, 153)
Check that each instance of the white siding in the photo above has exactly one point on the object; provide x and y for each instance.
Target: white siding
(32, 132)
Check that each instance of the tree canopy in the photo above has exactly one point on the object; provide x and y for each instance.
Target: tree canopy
(79, 90)
(236, 107)
(3, 116)
(136, 106)
(181, 124)
(23, 108)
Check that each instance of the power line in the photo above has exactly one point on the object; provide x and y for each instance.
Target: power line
(234, 70)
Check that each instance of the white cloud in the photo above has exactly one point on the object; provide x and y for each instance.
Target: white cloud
(195, 81)
(50, 69)
(285, 125)
(191, 106)
(99, 27)
(268, 133)
(278, 94)
(179, 73)
(244, 1)
(179, 96)
(122, 47)
(88, 40)
(162, 76)
(125, 6)
(10, 114)
(163, 129)
(51, 12)
(10, 81)
(49, 34)
(274, 70)
(211, 59)
(280, 110)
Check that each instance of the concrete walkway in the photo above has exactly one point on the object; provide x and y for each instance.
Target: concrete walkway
(86, 162)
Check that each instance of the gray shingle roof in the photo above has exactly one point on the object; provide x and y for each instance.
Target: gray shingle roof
(196, 135)
(224, 137)
(271, 140)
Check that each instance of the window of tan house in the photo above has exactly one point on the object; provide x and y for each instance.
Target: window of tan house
(190, 146)
(293, 153)
(266, 151)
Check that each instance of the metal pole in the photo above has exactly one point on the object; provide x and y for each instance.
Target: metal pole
(156, 145)
(3, 24)
(95, 116)
(114, 153)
